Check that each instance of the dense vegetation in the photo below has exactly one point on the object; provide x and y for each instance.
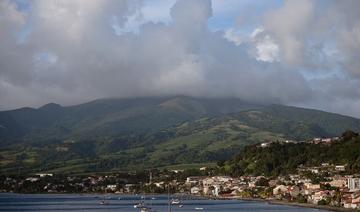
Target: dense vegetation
(120, 134)
(280, 158)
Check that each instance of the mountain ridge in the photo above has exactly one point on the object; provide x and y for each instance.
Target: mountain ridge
(115, 134)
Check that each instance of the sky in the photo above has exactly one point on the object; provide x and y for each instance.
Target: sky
(293, 52)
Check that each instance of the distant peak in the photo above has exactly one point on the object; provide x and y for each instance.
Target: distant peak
(50, 106)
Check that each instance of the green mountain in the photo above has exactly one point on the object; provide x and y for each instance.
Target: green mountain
(136, 133)
(109, 117)
(280, 159)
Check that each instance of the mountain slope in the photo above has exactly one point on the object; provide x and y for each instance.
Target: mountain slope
(118, 134)
(333, 124)
(110, 117)
(298, 123)
(281, 159)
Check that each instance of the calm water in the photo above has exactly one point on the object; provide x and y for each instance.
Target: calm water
(65, 202)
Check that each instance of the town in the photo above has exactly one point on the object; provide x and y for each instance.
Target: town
(326, 184)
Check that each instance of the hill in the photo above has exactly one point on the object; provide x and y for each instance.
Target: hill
(136, 133)
(279, 159)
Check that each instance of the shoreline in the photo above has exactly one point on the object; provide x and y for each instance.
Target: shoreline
(296, 204)
(307, 205)
(268, 201)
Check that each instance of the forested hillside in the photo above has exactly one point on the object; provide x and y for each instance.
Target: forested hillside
(278, 159)
(137, 133)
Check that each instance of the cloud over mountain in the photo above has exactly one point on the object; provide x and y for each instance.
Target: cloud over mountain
(72, 51)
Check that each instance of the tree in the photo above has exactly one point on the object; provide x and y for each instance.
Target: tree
(347, 135)
(262, 182)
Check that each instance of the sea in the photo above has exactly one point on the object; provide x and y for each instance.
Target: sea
(122, 203)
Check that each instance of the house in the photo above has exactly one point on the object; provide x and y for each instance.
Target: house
(159, 184)
(263, 145)
(290, 142)
(353, 184)
(225, 179)
(32, 179)
(355, 200)
(311, 186)
(294, 191)
(111, 187)
(326, 140)
(193, 179)
(351, 200)
(338, 183)
(251, 184)
(347, 201)
(280, 189)
(45, 175)
(195, 190)
(208, 181)
(217, 189)
(318, 196)
(314, 170)
(316, 140)
(340, 168)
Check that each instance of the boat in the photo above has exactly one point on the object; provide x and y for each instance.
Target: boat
(180, 206)
(175, 202)
(145, 209)
(139, 205)
(197, 208)
(103, 202)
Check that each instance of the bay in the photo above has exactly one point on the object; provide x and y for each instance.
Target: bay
(122, 203)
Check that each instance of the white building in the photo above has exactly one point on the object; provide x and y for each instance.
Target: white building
(217, 190)
(264, 145)
(111, 187)
(353, 184)
(203, 168)
(32, 179)
(193, 179)
(280, 189)
(195, 190)
(340, 168)
(44, 174)
(177, 171)
(160, 184)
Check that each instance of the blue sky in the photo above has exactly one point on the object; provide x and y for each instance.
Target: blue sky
(225, 13)
(244, 15)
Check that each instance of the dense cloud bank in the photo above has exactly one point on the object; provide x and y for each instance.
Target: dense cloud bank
(302, 53)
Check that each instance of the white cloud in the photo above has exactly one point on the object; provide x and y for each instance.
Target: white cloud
(72, 54)
(258, 31)
(288, 24)
(233, 36)
(266, 48)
